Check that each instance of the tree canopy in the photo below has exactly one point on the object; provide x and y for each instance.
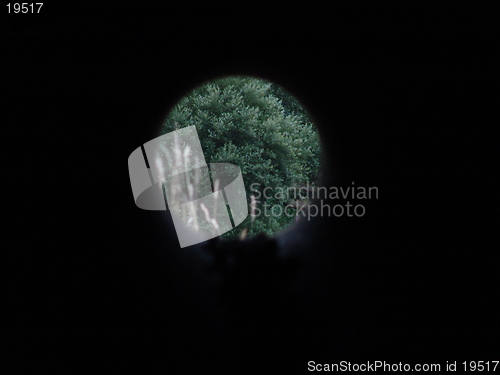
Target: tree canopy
(262, 129)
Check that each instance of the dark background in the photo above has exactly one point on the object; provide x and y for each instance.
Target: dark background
(405, 99)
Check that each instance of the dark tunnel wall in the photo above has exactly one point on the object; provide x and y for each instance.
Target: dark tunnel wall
(96, 284)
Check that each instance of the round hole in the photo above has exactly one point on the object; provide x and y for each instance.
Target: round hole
(259, 127)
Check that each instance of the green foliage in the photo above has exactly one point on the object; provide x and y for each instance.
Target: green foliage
(259, 127)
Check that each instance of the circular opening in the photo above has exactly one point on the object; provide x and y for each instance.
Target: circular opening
(259, 127)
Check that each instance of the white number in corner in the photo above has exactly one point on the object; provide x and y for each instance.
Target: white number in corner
(24, 7)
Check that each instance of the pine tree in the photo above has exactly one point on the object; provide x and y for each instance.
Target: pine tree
(259, 127)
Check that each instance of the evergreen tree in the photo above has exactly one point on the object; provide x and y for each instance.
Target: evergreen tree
(259, 127)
